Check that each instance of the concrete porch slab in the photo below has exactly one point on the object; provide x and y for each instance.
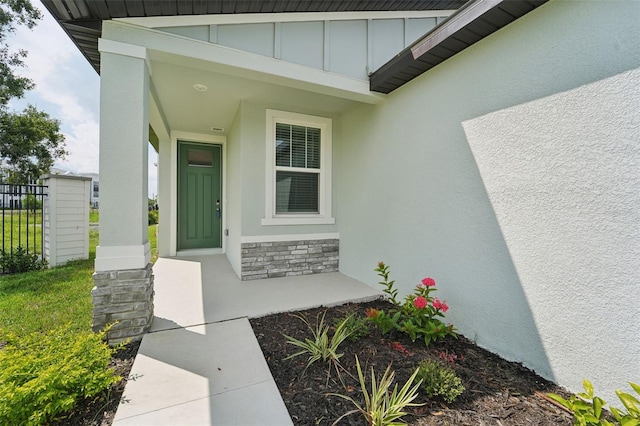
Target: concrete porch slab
(204, 289)
(202, 364)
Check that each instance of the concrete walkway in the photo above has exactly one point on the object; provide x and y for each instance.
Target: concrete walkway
(201, 364)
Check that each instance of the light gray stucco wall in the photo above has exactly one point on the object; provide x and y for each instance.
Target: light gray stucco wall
(233, 194)
(510, 174)
(253, 124)
(124, 88)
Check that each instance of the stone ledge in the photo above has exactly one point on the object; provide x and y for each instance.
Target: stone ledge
(288, 258)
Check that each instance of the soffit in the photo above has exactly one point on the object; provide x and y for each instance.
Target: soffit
(190, 110)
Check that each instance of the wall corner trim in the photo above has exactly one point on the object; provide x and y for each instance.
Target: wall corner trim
(124, 49)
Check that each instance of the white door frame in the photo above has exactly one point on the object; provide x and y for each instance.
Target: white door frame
(195, 138)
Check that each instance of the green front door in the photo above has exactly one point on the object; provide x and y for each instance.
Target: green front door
(199, 196)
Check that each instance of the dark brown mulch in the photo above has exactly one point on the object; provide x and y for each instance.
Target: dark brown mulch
(100, 410)
(497, 392)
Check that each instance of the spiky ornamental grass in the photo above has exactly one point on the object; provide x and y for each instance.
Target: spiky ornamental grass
(382, 407)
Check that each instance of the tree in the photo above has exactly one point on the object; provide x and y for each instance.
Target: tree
(30, 140)
(21, 12)
(29, 143)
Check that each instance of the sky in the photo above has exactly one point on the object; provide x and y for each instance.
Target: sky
(68, 89)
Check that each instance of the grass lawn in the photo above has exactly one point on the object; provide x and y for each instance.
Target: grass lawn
(15, 227)
(94, 215)
(42, 300)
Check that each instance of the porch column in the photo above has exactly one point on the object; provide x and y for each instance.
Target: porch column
(123, 291)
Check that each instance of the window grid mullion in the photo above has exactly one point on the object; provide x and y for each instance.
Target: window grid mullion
(306, 146)
(290, 145)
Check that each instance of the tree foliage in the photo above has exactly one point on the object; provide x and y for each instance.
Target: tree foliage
(12, 13)
(30, 140)
(29, 143)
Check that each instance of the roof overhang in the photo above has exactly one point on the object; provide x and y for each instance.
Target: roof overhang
(82, 19)
(470, 24)
(227, 77)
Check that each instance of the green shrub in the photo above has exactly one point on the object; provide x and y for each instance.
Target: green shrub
(31, 202)
(439, 381)
(631, 413)
(44, 375)
(588, 409)
(356, 326)
(20, 261)
(153, 217)
(417, 315)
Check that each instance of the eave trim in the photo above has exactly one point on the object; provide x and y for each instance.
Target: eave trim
(423, 54)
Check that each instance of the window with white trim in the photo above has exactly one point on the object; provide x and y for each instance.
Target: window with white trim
(298, 169)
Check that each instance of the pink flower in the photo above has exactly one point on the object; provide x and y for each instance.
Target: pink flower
(439, 305)
(420, 302)
(429, 282)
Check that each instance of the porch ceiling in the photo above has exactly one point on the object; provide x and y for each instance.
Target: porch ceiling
(189, 110)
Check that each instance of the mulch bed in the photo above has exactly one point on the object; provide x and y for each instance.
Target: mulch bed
(497, 392)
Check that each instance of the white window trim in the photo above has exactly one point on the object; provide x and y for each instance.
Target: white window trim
(324, 217)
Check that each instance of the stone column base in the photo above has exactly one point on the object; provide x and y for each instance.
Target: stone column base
(123, 297)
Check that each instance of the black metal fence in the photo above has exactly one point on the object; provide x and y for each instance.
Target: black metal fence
(23, 224)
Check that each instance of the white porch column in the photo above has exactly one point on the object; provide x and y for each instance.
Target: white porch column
(123, 278)
(162, 131)
(164, 200)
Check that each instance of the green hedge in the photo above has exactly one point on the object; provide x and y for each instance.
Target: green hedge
(44, 375)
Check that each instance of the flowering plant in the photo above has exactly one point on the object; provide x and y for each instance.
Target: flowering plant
(417, 315)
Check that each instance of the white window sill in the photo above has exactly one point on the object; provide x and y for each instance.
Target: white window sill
(298, 221)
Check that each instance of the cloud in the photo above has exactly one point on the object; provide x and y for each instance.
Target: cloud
(63, 78)
(84, 157)
(67, 88)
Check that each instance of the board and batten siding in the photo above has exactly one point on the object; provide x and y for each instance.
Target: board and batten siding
(352, 48)
(66, 218)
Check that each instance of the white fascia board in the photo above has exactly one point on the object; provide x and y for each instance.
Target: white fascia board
(288, 237)
(258, 18)
(124, 49)
(238, 63)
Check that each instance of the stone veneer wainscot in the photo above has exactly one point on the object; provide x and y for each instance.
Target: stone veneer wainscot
(126, 298)
(288, 258)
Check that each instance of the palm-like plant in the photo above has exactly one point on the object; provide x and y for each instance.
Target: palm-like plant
(320, 347)
(383, 407)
